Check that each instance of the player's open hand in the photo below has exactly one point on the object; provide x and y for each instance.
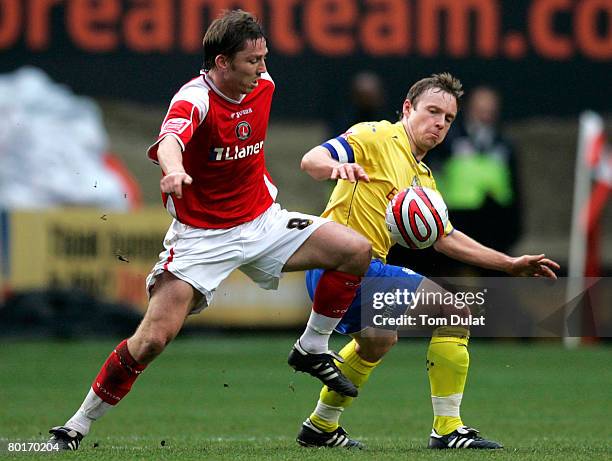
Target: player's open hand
(349, 172)
(534, 266)
(172, 183)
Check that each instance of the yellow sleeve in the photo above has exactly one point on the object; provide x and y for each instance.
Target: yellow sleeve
(359, 143)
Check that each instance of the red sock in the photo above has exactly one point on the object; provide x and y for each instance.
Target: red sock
(117, 375)
(335, 293)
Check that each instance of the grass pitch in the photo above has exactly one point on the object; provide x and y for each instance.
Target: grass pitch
(229, 397)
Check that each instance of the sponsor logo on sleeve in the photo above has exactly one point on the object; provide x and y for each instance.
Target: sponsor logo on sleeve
(175, 125)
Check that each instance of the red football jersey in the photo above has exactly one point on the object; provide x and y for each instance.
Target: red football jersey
(223, 151)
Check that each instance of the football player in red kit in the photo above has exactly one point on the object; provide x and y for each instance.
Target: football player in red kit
(216, 187)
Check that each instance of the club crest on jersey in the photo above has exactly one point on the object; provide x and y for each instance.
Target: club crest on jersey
(243, 130)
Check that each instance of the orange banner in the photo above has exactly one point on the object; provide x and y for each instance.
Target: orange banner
(456, 28)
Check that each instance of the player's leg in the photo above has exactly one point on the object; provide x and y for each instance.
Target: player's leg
(345, 256)
(447, 368)
(447, 364)
(170, 303)
(283, 241)
(361, 356)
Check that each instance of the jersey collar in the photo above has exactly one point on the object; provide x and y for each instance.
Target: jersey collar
(400, 127)
(210, 83)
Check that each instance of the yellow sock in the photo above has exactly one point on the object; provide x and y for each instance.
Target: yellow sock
(331, 404)
(447, 366)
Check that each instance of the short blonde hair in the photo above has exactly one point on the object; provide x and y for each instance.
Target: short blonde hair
(443, 82)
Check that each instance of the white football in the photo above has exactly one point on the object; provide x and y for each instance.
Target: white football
(416, 217)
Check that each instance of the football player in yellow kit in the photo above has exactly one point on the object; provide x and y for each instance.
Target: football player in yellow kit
(373, 161)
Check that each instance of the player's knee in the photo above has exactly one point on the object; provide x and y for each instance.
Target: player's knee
(384, 344)
(456, 310)
(363, 252)
(374, 349)
(462, 312)
(150, 345)
(357, 255)
(153, 347)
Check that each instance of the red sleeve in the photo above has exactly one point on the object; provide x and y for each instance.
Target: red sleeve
(180, 122)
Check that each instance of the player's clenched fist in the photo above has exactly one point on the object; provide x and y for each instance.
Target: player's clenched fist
(172, 183)
(349, 171)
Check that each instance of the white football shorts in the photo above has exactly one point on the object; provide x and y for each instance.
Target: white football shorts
(259, 248)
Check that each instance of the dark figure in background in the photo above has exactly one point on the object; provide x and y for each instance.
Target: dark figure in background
(476, 172)
(368, 102)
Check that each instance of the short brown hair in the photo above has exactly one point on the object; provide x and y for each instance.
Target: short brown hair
(228, 34)
(443, 82)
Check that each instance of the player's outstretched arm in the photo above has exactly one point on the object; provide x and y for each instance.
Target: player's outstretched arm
(319, 164)
(170, 156)
(459, 246)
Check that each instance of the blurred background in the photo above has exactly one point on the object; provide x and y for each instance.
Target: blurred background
(85, 85)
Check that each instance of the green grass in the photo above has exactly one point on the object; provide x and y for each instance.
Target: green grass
(228, 397)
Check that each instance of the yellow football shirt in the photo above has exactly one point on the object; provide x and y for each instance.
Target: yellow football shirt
(383, 150)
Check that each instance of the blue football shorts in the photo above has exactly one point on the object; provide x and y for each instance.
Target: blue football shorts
(390, 277)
